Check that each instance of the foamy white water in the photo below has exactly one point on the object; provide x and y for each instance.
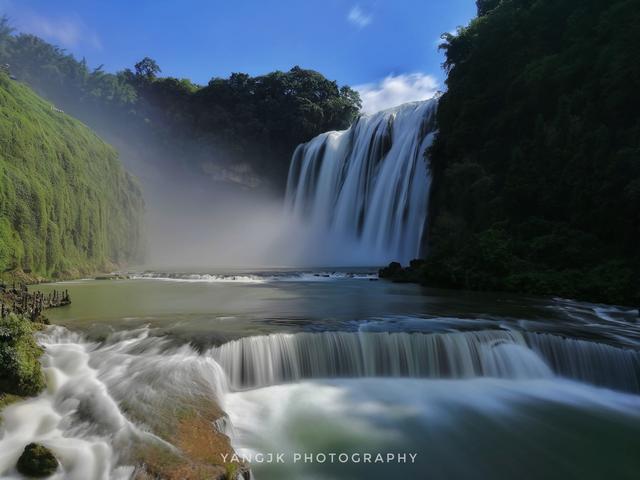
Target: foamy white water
(80, 417)
(486, 386)
(261, 278)
(75, 417)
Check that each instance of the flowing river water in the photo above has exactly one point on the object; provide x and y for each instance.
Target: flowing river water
(325, 362)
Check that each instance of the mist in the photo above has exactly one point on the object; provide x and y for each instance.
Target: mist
(207, 209)
(224, 226)
(204, 211)
(212, 160)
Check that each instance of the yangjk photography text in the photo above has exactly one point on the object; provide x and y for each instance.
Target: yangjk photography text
(321, 457)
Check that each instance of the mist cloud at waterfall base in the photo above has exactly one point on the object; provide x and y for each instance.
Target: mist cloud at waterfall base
(223, 226)
(241, 229)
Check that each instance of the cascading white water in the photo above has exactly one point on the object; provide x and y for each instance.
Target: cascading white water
(81, 415)
(260, 361)
(75, 417)
(592, 362)
(361, 194)
(267, 360)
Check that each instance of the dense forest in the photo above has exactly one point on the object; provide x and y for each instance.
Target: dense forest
(537, 163)
(67, 206)
(239, 129)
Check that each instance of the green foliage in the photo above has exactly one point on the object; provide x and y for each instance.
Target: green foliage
(485, 6)
(20, 371)
(537, 163)
(66, 204)
(262, 119)
(37, 461)
(147, 69)
(249, 122)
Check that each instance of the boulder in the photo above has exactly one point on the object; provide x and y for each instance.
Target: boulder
(37, 461)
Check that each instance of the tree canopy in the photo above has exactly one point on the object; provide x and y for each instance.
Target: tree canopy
(537, 163)
(255, 122)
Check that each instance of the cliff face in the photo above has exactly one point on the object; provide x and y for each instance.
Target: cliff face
(66, 204)
(537, 163)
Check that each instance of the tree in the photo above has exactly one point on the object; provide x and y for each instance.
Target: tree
(252, 122)
(538, 141)
(147, 69)
(485, 6)
(5, 37)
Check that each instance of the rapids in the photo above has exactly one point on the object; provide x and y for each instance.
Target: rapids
(477, 386)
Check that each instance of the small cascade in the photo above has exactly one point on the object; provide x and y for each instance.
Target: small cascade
(75, 417)
(266, 360)
(362, 193)
(104, 399)
(591, 362)
(81, 416)
(280, 358)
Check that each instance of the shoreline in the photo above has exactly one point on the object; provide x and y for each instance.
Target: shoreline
(416, 273)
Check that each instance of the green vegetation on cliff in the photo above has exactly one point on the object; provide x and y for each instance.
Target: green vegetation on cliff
(537, 163)
(66, 204)
(242, 128)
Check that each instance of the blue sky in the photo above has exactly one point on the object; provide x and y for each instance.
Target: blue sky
(360, 43)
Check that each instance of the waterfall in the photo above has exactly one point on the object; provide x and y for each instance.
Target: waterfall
(589, 361)
(104, 399)
(260, 361)
(362, 193)
(267, 360)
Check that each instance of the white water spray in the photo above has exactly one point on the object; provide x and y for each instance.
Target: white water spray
(80, 417)
(75, 417)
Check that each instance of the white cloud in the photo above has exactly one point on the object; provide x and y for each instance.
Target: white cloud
(395, 90)
(359, 17)
(64, 30)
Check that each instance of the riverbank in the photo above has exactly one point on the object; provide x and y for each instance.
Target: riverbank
(28, 277)
(575, 285)
(21, 316)
(21, 373)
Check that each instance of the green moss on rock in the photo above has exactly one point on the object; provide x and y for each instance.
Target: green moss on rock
(20, 370)
(37, 461)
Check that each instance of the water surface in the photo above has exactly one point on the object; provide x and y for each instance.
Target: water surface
(477, 385)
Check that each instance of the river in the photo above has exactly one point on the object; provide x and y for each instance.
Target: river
(341, 367)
